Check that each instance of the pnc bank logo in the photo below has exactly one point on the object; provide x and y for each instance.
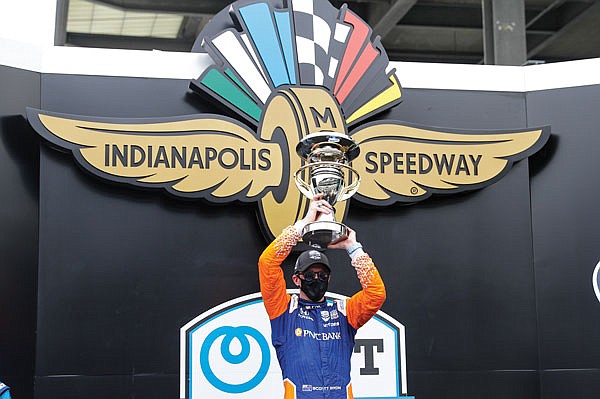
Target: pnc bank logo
(225, 353)
(287, 69)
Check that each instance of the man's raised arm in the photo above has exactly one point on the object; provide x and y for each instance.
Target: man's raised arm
(365, 303)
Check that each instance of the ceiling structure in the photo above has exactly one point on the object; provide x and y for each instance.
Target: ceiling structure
(411, 30)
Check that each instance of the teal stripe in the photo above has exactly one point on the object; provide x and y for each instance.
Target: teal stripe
(220, 84)
(282, 19)
(238, 82)
(256, 18)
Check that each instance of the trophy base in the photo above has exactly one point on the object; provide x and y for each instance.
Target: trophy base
(322, 233)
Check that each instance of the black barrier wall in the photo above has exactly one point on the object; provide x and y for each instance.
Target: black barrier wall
(19, 166)
(493, 286)
(565, 216)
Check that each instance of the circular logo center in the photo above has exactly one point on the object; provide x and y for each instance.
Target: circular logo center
(240, 334)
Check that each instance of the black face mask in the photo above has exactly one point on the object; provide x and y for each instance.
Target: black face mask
(314, 290)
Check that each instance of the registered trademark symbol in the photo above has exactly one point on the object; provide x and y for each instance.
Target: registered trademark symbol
(414, 190)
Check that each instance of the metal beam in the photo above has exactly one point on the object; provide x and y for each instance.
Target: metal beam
(564, 29)
(504, 41)
(392, 16)
(431, 56)
(60, 27)
(466, 29)
(545, 11)
(444, 14)
(191, 28)
(186, 7)
(128, 42)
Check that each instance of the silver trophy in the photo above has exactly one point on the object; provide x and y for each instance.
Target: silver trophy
(327, 172)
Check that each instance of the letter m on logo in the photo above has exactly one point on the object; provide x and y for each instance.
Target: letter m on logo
(325, 119)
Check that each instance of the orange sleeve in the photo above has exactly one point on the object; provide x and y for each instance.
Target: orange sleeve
(365, 303)
(270, 275)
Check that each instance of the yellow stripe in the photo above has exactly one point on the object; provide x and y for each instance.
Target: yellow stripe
(385, 97)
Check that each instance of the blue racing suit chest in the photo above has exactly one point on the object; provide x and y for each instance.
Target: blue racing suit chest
(314, 343)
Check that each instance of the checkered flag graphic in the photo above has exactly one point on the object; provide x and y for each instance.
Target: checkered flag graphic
(320, 38)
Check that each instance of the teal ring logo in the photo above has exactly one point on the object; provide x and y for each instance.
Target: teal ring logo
(241, 334)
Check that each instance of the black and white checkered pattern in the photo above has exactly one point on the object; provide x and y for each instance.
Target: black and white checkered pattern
(320, 40)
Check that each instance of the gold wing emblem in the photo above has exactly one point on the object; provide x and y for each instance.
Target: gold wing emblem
(404, 163)
(200, 156)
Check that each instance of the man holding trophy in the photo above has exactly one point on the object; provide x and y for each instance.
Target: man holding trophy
(314, 338)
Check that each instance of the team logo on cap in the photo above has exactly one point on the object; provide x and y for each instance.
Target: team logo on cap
(314, 255)
(288, 69)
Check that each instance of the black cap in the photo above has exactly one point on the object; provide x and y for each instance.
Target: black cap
(309, 258)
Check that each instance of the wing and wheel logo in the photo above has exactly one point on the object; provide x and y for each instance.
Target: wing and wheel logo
(287, 70)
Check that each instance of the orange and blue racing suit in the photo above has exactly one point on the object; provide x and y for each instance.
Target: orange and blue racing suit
(314, 340)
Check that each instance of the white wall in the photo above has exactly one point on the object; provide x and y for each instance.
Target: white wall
(29, 21)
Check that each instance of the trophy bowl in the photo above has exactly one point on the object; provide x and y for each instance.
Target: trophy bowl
(327, 172)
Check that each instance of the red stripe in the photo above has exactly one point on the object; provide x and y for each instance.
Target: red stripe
(354, 45)
(364, 62)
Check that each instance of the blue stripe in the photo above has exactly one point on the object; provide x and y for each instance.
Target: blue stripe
(282, 19)
(256, 17)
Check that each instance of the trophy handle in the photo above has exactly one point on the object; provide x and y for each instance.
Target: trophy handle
(344, 194)
(302, 185)
(352, 188)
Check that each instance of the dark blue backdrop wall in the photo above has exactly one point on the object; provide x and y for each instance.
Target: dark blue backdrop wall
(493, 286)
